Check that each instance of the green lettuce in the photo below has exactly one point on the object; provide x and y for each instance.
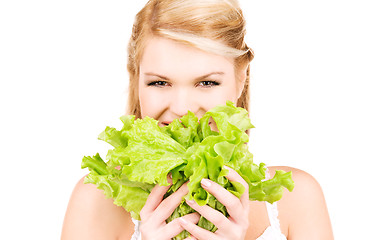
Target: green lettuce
(144, 154)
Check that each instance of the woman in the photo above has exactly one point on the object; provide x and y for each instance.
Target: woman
(191, 55)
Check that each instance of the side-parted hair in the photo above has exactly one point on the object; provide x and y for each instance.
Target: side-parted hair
(215, 26)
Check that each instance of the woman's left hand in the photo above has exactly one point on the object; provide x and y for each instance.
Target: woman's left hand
(236, 225)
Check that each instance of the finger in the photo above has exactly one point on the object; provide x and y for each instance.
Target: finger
(174, 227)
(235, 177)
(197, 231)
(233, 204)
(154, 199)
(168, 205)
(214, 216)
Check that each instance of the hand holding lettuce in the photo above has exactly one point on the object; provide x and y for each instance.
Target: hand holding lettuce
(144, 154)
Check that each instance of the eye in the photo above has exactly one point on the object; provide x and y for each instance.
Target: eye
(158, 83)
(208, 83)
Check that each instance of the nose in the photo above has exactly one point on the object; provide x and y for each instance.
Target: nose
(182, 102)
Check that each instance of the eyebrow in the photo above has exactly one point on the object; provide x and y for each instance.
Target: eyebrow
(198, 78)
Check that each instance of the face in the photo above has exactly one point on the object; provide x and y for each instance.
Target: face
(175, 78)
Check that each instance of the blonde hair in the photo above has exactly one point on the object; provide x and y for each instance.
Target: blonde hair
(215, 26)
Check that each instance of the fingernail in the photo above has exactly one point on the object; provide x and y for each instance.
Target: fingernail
(205, 182)
(169, 178)
(226, 167)
(190, 202)
(183, 221)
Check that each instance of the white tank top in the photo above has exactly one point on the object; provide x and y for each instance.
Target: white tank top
(273, 232)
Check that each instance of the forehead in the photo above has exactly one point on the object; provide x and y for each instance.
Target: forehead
(172, 57)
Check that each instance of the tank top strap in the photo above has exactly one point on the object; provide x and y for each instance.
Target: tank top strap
(137, 234)
(272, 210)
(273, 215)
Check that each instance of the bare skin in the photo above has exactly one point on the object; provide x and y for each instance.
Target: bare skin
(173, 79)
(302, 213)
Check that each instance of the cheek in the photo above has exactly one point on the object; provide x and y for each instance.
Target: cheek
(219, 96)
(150, 102)
(145, 100)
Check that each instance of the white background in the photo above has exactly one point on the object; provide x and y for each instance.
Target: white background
(63, 79)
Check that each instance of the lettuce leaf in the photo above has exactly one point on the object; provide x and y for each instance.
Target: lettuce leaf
(144, 154)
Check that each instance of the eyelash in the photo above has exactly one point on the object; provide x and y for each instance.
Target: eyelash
(209, 83)
(157, 83)
(206, 84)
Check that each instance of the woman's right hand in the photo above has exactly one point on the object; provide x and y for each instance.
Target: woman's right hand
(157, 210)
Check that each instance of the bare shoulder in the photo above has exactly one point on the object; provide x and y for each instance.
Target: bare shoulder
(299, 176)
(303, 211)
(90, 215)
(306, 186)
